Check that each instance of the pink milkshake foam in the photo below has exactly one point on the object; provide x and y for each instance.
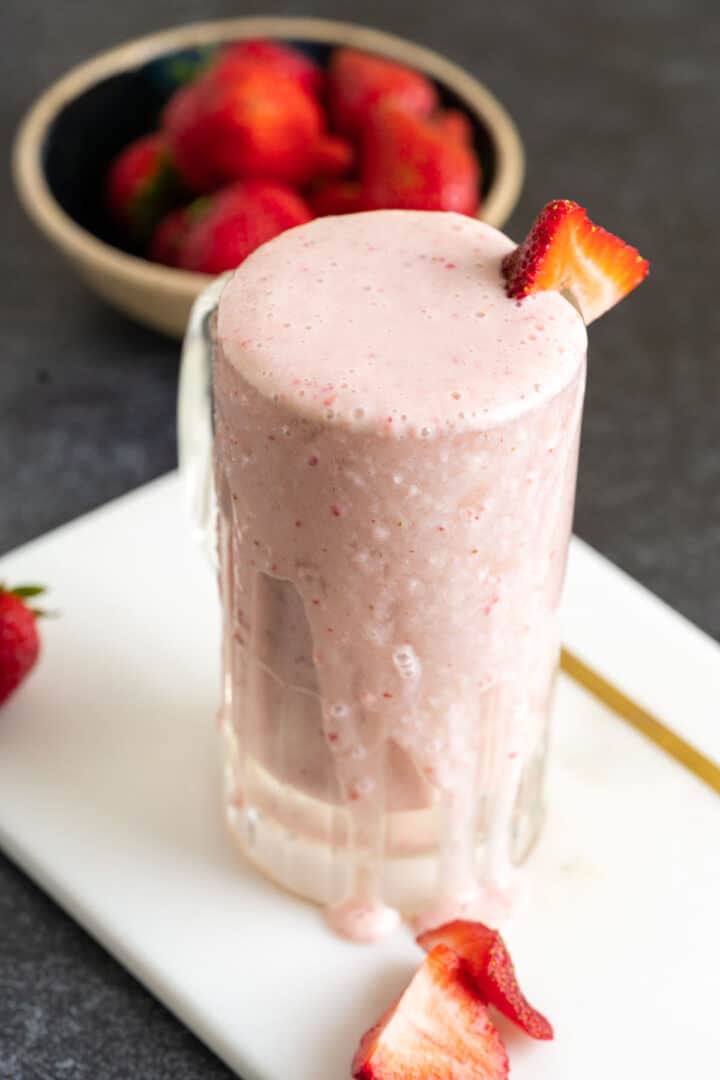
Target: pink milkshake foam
(396, 448)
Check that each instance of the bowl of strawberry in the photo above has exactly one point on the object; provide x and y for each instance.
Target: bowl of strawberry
(168, 160)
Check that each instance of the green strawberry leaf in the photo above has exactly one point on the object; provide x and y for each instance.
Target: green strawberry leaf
(26, 592)
(159, 194)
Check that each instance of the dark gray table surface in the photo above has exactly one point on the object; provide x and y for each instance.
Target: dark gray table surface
(619, 107)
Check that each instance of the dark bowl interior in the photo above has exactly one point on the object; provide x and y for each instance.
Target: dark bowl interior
(88, 132)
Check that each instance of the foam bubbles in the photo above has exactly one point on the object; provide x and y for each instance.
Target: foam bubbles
(339, 726)
(364, 787)
(406, 661)
(376, 633)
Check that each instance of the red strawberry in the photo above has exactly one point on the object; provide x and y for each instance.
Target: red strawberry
(256, 126)
(487, 962)
(455, 126)
(142, 184)
(336, 197)
(564, 251)
(437, 1030)
(334, 156)
(227, 226)
(410, 164)
(273, 56)
(19, 638)
(169, 237)
(359, 82)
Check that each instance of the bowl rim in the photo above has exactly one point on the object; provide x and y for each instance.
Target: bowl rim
(82, 245)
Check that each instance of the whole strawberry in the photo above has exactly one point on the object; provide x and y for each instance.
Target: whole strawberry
(169, 236)
(142, 185)
(282, 60)
(257, 124)
(335, 197)
(19, 638)
(412, 163)
(455, 126)
(218, 231)
(359, 82)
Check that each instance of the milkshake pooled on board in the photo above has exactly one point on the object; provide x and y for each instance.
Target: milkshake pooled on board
(396, 444)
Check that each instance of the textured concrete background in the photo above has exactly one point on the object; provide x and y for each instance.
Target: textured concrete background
(619, 107)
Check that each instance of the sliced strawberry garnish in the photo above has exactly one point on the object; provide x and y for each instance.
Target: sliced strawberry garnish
(437, 1030)
(565, 251)
(485, 958)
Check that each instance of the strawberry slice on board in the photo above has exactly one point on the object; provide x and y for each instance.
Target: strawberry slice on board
(437, 1030)
(487, 962)
(565, 252)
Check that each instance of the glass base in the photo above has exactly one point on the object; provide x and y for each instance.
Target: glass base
(301, 842)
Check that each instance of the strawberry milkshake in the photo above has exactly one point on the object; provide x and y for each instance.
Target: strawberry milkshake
(396, 447)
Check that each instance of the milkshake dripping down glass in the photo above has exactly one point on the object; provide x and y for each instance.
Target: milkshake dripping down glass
(394, 457)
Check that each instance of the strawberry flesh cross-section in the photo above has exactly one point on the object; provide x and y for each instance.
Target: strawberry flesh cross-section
(437, 1030)
(487, 962)
(565, 252)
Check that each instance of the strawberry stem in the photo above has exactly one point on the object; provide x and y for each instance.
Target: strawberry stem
(26, 592)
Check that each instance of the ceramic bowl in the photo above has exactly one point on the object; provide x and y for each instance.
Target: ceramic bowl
(72, 132)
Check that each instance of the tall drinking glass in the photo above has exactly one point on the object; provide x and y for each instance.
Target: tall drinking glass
(393, 444)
